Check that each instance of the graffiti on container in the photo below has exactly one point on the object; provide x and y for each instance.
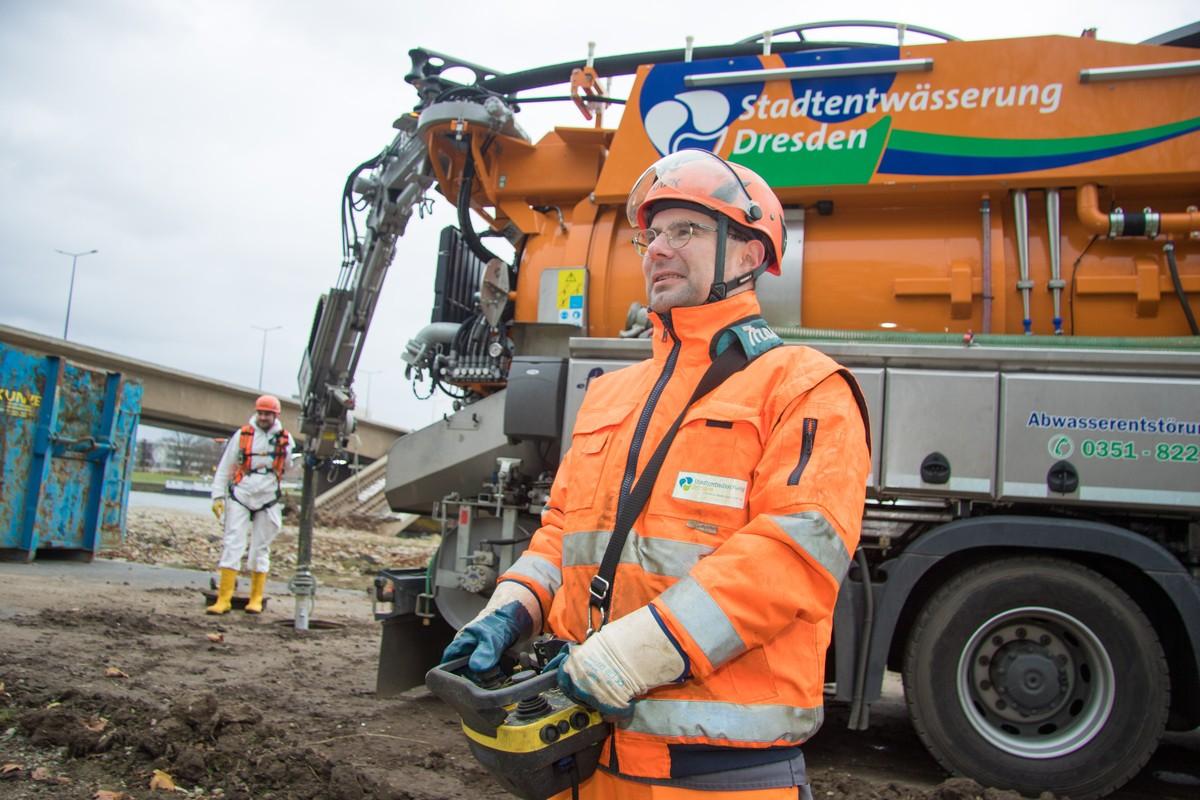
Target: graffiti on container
(19, 403)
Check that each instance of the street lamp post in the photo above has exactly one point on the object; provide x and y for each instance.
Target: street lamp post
(367, 407)
(71, 291)
(262, 359)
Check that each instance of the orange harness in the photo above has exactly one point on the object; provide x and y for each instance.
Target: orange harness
(246, 453)
(245, 459)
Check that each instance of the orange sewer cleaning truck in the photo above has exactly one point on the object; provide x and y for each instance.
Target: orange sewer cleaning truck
(1000, 238)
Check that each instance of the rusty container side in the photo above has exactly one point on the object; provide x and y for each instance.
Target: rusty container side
(67, 435)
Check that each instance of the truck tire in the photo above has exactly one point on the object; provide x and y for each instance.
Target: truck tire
(1037, 674)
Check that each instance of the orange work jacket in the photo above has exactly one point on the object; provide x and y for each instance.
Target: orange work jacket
(739, 550)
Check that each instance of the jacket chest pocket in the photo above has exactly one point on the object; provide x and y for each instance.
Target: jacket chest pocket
(709, 471)
(594, 458)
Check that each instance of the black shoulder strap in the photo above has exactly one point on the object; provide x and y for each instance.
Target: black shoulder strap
(630, 505)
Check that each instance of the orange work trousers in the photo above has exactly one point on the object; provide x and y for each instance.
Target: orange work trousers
(605, 786)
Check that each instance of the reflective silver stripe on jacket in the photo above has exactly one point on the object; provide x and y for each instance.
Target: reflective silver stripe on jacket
(813, 534)
(537, 569)
(724, 721)
(658, 556)
(704, 620)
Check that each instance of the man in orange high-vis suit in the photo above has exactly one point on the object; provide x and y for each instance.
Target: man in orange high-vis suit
(710, 662)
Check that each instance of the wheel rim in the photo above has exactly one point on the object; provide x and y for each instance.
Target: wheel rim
(1036, 682)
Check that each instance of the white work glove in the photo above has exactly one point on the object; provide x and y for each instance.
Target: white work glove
(622, 661)
(511, 615)
(218, 508)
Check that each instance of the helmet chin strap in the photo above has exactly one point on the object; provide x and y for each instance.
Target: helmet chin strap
(720, 287)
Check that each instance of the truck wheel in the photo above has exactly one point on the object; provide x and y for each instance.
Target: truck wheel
(1037, 674)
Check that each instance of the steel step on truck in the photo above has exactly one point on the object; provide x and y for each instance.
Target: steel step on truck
(1000, 238)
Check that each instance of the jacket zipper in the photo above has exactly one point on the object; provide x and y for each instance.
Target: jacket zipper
(639, 433)
(806, 446)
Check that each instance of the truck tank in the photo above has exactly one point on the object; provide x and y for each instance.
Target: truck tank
(979, 190)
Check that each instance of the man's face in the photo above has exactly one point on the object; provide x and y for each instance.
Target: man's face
(684, 277)
(265, 419)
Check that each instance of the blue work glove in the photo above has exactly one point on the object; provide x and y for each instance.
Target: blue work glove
(619, 663)
(485, 639)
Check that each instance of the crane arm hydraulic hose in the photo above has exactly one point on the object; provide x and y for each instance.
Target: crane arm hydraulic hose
(464, 211)
(1169, 249)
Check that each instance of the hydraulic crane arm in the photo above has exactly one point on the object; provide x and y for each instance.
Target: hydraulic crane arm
(396, 184)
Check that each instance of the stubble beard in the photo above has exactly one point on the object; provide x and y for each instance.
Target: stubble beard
(681, 293)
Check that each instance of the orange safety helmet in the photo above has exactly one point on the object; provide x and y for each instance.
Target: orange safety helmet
(268, 402)
(729, 190)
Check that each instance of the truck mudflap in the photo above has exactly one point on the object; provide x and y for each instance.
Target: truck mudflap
(410, 644)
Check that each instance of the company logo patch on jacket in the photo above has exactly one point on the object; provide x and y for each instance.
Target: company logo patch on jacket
(755, 336)
(712, 489)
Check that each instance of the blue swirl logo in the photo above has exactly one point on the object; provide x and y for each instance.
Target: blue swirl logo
(693, 120)
(677, 117)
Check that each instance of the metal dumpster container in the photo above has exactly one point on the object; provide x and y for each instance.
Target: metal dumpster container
(67, 439)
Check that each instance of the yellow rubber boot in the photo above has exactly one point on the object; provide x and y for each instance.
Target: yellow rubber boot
(224, 592)
(258, 583)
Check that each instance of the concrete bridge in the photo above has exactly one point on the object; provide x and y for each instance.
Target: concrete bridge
(175, 399)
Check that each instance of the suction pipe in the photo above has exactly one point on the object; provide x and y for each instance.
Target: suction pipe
(1021, 221)
(1053, 234)
(985, 213)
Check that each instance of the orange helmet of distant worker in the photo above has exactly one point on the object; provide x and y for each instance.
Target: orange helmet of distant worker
(737, 196)
(268, 402)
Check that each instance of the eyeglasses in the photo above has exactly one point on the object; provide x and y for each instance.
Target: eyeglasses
(678, 235)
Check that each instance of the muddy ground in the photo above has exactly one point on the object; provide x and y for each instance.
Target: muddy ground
(112, 680)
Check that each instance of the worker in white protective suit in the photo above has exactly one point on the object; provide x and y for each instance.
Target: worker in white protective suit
(246, 494)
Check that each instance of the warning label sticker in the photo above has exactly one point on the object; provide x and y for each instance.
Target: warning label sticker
(570, 296)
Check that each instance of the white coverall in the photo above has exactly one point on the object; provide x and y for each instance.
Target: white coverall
(258, 488)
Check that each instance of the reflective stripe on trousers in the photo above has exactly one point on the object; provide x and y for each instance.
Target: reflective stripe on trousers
(784, 780)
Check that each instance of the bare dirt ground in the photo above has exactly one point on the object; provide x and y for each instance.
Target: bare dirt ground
(112, 679)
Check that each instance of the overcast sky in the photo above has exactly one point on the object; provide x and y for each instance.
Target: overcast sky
(201, 147)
